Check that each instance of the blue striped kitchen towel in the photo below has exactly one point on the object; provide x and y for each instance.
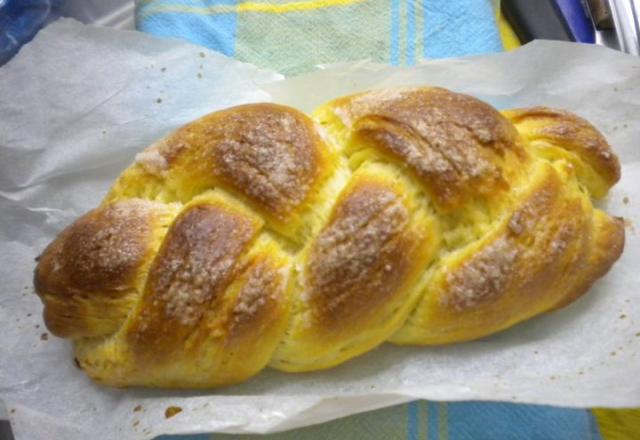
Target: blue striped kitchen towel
(294, 36)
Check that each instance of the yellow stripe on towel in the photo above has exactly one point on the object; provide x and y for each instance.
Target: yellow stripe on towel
(509, 39)
(618, 424)
(295, 6)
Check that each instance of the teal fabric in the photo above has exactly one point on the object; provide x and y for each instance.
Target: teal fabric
(216, 31)
(293, 36)
(459, 28)
(443, 421)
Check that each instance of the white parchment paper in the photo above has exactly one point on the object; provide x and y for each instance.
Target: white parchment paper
(78, 103)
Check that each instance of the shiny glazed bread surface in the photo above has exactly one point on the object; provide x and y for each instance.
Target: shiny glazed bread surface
(258, 236)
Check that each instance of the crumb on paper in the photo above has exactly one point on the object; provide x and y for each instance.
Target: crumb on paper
(76, 362)
(28, 315)
(580, 373)
(625, 200)
(13, 411)
(629, 225)
(137, 408)
(199, 75)
(622, 316)
(159, 100)
(552, 377)
(44, 336)
(613, 353)
(172, 411)
(202, 55)
(37, 325)
(136, 423)
(163, 69)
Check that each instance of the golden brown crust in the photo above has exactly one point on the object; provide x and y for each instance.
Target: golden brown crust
(97, 258)
(605, 249)
(427, 218)
(361, 257)
(270, 154)
(266, 152)
(191, 271)
(559, 128)
(452, 142)
(529, 262)
(257, 302)
(361, 276)
(101, 250)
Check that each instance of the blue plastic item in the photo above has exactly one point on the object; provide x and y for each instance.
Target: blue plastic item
(20, 20)
(579, 22)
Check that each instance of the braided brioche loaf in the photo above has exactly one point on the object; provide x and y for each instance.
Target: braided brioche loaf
(258, 236)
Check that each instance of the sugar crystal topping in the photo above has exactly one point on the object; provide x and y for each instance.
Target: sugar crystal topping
(270, 159)
(484, 276)
(351, 259)
(197, 261)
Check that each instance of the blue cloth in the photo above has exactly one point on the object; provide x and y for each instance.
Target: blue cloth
(443, 421)
(295, 35)
(20, 20)
(213, 30)
(459, 28)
